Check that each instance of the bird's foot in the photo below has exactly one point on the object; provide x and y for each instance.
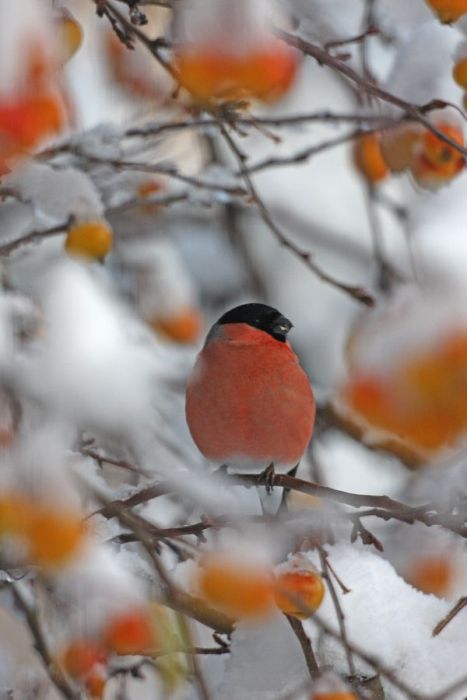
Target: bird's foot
(266, 478)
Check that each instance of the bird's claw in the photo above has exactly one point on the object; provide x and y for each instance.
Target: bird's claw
(266, 478)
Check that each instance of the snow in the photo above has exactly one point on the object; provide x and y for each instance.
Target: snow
(393, 622)
(57, 193)
(422, 69)
(96, 369)
(324, 21)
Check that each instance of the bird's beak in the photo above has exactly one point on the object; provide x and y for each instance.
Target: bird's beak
(282, 326)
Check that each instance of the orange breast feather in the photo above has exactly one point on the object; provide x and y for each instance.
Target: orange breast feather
(248, 398)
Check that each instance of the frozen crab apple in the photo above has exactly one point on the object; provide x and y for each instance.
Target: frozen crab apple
(298, 589)
(209, 72)
(398, 145)
(86, 662)
(431, 160)
(80, 657)
(54, 536)
(131, 632)
(15, 512)
(437, 161)
(148, 188)
(433, 574)
(238, 589)
(368, 158)
(32, 108)
(89, 239)
(25, 121)
(448, 10)
(417, 398)
(70, 34)
(459, 72)
(51, 536)
(183, 326)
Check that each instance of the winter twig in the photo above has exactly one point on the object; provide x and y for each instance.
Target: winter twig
(439, 627)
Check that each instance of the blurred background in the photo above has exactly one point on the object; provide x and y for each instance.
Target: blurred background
(128, 227)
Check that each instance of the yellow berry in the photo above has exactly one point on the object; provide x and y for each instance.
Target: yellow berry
(89, 239)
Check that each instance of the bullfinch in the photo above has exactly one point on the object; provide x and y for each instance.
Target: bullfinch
(249, 403)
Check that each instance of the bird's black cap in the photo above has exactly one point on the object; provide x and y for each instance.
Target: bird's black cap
(260, 316)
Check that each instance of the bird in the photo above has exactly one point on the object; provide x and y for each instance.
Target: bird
(249, 404)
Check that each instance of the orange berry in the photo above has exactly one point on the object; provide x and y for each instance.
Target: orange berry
(54, 536)
(440, 155)
(454, 349)
(149, 187)
(448, 10)
(89, 239)
(80, 656)
(210, 73)
(239, 590)
(369, 396)
(459, 72)
(183, 327)
(437, 162)
(368, 158)
(15, 513)
(95, 684)
(432, 575)
(130, 633)
(398, 147)
(298, 589)
(70, 35)
(25, 122)
(269, 74)
(426, 376)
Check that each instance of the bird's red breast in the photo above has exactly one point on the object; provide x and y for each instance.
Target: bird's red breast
(249, 399)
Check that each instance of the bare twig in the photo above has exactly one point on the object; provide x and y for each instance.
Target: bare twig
(306, 645)
(415, 112)
(357, 293)
(33, 237)
(359, 39)
(54, 672)
(325, 572)
(378, 665)
(438, 628)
